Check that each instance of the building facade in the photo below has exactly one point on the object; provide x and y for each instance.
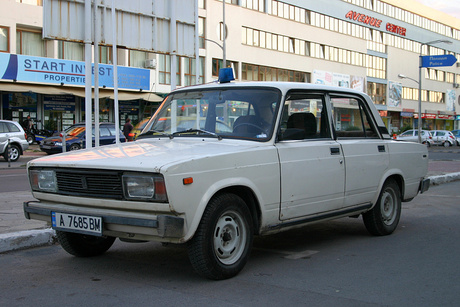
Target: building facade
(362, 44)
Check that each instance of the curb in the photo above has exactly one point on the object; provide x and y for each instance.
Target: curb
(437, 180)
(26, 239)
(40, 237)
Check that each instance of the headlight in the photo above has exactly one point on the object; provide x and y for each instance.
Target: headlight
(58, 143)
(147, 187)
(41, 180)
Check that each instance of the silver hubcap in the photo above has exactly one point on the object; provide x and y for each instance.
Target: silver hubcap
(14, 154)
(229, 237)
(388, 207)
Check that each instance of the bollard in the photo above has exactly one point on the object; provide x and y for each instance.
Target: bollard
(8, 153)
(64, 147)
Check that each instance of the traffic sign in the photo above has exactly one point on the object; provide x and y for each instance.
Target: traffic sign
(438, 60)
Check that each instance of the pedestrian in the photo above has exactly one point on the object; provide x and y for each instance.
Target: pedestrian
(127, 128)
(27, 124)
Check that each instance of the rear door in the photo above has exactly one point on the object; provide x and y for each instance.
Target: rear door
(311, 162)
(365, 152)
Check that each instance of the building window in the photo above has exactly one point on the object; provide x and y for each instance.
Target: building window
(218, 64)
(262, 73)
(137, 58)
(105, 55)
(32, 2)
(201, 32)
(190, 71)
(164, 69)
(377, 92)
(30, 43)
(71, 51)
(4, 39)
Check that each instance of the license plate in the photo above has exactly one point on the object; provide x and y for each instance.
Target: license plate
(84, 224)
(46, 147)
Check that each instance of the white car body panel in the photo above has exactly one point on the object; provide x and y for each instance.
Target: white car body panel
(290, 181)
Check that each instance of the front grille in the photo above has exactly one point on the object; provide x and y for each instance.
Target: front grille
(91, 183)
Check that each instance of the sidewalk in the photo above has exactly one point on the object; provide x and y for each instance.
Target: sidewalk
(16, 232)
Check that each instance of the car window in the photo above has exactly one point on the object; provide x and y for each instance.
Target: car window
(440, 133)
(352, 119)
(304, 117)
(3, 128)
(247, 113)
(104, 131)
(407, 133)
(13, 127)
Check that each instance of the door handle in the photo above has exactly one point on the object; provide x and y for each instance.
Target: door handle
(381, 148)
(335, 151)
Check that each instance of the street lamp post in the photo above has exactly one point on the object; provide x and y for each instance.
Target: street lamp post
(420, 84)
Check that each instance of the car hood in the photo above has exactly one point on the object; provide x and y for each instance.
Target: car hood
(146, 155)
(59, 139)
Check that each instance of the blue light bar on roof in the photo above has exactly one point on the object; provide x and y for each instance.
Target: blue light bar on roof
(226, 75)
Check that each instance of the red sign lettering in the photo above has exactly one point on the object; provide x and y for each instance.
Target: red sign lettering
(396, 29)
(374, 22)
(368, 20)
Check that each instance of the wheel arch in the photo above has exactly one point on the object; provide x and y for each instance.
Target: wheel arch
(249, 198)
(398, 178)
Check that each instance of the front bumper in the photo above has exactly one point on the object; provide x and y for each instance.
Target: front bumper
(164, 228)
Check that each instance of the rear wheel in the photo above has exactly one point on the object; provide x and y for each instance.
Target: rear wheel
(446, 144)
(384, 217)
(223, 240)
(81, 245)
(30, 139)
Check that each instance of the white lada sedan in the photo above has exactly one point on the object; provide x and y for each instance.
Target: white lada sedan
(261, 158)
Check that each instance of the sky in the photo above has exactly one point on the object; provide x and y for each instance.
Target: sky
(451, 7)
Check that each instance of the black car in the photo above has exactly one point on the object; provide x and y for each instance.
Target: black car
(75, 138)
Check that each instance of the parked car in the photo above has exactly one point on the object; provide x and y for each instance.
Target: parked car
(412, 136)
(287, 161)
(12, 131)
(75, 138)
(456, 133)
(443, 137)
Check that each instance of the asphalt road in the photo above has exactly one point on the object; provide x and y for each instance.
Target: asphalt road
(333, 263)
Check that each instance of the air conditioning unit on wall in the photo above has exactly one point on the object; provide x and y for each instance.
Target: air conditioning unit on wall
(456, 85)
(150, 63)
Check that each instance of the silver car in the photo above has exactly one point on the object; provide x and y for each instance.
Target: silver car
(412, 136)
(443, 137)
(12, 131)
(456, 133)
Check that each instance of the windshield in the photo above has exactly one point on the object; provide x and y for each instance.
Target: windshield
(247, 113)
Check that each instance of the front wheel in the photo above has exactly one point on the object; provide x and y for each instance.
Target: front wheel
(384, 217)
(446, 144)
(13, 153)
(81, 245)
(74, 147)
(223, 240)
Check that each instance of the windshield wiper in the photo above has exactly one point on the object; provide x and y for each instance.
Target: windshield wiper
(191, 130)
(152, 132)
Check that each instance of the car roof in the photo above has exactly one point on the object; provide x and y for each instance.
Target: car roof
(282, 86)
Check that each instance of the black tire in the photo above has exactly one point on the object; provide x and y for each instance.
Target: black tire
(427, 144)
(30, 139)
(383, 219)
(223, 241)
(14, 153)
(74, 147)
(81, 245)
